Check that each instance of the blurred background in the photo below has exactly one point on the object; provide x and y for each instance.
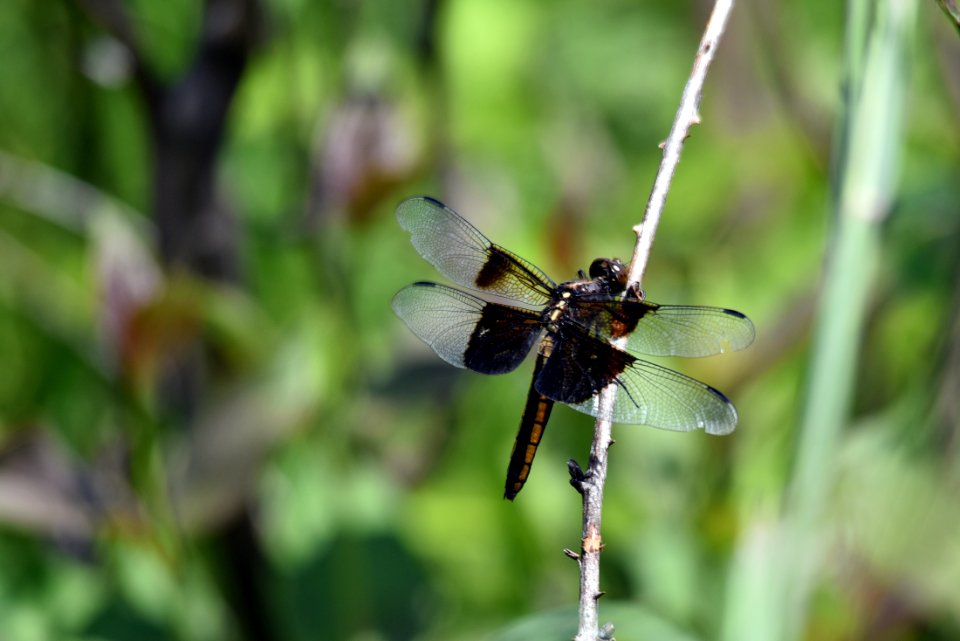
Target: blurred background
(213, 427)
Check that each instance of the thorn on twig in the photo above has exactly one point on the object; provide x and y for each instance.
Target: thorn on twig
(695, 120)
(577, 475)
(662, 145)
(570, 553)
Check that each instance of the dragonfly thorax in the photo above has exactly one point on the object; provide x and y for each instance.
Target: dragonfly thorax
(608, 277)
(553, 312)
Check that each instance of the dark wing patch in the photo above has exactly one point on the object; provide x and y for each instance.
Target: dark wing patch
(663, 330)
(464, 255)
(467, 331)
(579, 366)
(605, 317)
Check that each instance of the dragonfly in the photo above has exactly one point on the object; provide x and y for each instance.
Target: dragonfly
(589, 332)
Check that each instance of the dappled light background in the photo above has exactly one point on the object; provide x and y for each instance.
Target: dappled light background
(213, 427)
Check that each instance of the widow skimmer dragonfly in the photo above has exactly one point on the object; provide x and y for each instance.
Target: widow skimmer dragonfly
(574, 322)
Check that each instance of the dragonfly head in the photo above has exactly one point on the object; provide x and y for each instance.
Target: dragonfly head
(611, 272)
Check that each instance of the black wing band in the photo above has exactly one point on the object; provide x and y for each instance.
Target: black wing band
(467, 331)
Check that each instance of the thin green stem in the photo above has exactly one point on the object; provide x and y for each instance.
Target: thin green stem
(779, 561)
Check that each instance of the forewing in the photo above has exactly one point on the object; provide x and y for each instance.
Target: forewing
(464, 255)
(690, 331)
(648, 394)
(663, 330)
(467, 331)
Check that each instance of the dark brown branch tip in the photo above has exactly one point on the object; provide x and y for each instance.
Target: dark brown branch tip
(577, 475)
(570, 553)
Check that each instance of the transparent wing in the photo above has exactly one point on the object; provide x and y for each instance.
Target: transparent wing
(664, 330)
(652, 395)
(690, 331)
(580, 366)
(467, 257)
(467, 331)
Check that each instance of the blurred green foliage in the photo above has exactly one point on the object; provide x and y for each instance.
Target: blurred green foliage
(333, 479)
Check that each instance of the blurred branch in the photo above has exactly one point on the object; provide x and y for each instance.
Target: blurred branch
(877, 47)
(186, 121)
(877, 50)
(591, 483)
(426, 47)
(58, 197)
(952, 9)
(187, 125)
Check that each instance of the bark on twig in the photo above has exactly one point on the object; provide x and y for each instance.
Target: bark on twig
(592, 482)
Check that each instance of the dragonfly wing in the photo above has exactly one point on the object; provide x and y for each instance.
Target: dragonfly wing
(465, 330)
(467, 257)
(579, 366)
(663, 330)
